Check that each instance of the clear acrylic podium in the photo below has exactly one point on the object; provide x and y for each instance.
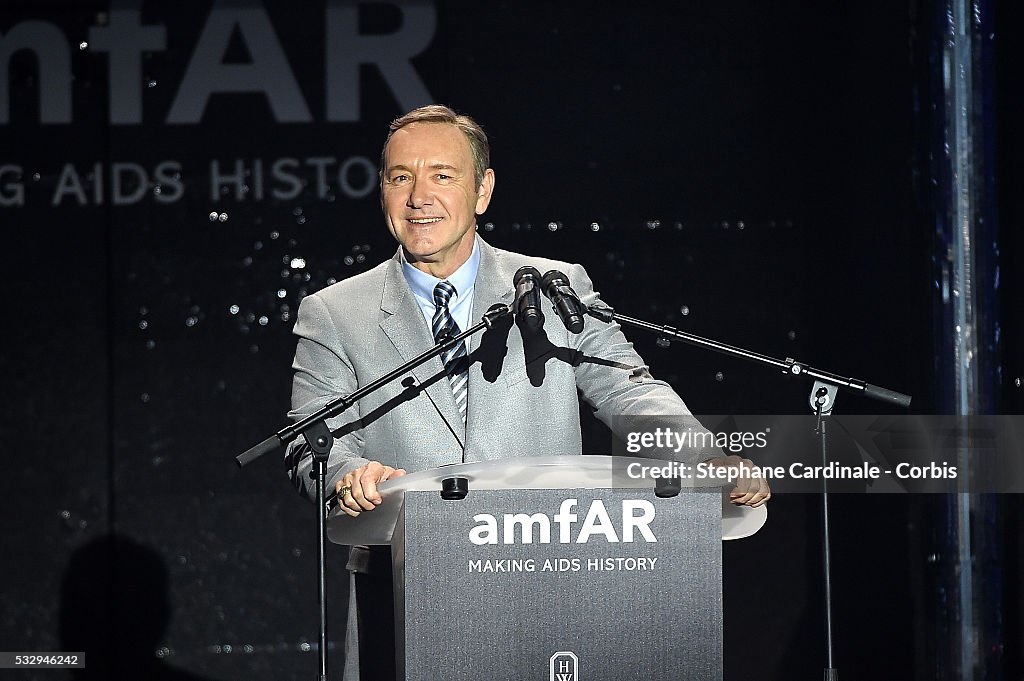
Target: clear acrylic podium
(562, 568)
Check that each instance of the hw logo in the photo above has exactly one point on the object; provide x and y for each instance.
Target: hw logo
(564, 666)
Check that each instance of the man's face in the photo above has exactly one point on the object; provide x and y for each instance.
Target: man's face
(429, 195)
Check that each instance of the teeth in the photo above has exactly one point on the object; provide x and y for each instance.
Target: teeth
(423, 221)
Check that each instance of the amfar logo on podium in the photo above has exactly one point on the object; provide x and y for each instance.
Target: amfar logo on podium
(564, 666)
(636, 518)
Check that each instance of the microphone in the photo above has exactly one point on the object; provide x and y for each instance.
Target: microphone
(565, 301)
(527, 305)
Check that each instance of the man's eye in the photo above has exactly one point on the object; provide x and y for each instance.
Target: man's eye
(443, 178)
(399, 179)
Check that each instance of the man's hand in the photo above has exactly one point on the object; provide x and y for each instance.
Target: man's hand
(749, 490)
(357, 491)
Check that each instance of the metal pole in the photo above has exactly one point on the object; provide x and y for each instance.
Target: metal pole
(960, 114)
(968, 315)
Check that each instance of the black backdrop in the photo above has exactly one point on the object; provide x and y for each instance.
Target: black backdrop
(748, 171)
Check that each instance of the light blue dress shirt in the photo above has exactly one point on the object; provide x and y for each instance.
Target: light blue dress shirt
(463, 279)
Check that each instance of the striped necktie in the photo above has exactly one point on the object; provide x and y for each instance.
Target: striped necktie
(456, 363)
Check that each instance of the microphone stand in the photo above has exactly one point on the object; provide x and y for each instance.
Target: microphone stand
(822, 400)
(320, 439)
(789, 366)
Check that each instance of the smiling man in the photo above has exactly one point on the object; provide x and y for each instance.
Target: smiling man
(432, 189)
(505, 393)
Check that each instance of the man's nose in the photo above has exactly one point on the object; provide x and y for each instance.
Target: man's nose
(419, 195)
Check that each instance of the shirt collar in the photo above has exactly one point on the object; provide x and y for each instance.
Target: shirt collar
(463, 279)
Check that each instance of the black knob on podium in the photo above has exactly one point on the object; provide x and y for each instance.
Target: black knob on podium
(454, 488)
(667, 487)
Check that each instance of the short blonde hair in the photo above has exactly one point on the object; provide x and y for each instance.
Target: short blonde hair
(436, 113)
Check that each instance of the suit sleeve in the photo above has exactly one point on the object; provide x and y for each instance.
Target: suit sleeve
(322, 372)
(614, 380)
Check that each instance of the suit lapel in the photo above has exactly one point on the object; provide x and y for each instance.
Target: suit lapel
(493, 285)
(406, 328)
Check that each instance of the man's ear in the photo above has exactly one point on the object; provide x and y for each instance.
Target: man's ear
(483, 197)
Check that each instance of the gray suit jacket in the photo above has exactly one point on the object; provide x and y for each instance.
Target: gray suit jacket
(522, 399)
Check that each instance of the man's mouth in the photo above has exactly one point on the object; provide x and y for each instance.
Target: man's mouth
(423, 221)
